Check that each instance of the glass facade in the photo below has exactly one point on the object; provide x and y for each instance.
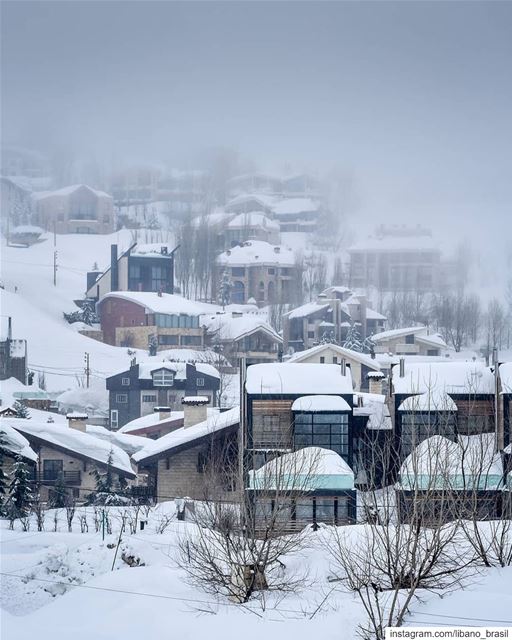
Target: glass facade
(327, 430)
(418, 426)
(176, 321)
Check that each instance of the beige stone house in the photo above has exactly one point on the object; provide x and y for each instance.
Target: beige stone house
(197, 460)
(410, 341)
(74, 209)
(66, 453)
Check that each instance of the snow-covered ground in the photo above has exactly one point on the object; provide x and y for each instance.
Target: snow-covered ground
(75, 585)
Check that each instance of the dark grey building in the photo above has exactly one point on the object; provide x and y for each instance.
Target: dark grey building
(13, 356)
(137, 391)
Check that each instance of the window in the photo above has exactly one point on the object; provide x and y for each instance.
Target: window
(167, 339)
(114, 422)
(200, 382)
(419, 426)
(238, 292)
(334, 360)
(149, 398)
(327, 430)
(202, 461)
(52, 469)
(409, 339)
(271, 271)
(163, 378)
(311, 334)
(322, 359)
(191, 340)
(325, 509)
(121, 397)
(238, 271)
(125, 382)
(432, 352)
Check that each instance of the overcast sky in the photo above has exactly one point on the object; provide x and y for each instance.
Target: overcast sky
(413, 98)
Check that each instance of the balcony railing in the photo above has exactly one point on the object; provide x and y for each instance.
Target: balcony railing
(52, 477)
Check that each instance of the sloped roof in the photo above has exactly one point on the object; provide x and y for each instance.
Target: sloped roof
(15, 443)
(257, 252)
(229, 328)
(188, 436)
(74, 442)
(298, 379)
(66, 191)
(320, 403)
(167, 303)
(465, 378)
(433, 400)
(348, 354)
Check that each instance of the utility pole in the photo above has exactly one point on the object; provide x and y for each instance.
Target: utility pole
(55, 268)
(87, 369)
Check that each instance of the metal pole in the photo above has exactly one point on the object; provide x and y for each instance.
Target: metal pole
(103, 524)
(499, 439)
(55, 268)
(87, 369)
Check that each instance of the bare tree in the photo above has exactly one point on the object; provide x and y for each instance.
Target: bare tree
(238, 548)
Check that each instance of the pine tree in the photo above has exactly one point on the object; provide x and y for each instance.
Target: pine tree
(3, 476)
(59, 497)
(152, 345)
(20, 406)
(20, 490)
(353, 340)
(369, 345)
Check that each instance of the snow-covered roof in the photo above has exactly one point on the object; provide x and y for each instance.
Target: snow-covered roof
(265, 200)
(374, 406)
(348, 354)
(257, 252)
(213, 424)
(66, 191)
(397, 333)
(15, 443)
(253, 219)
(147, 367)
(308, 309)
(438, 462)
(26, 229)
(297, 379)
(295, 206)
(433, 400)
(371, 314)
(167, 303)
(129, 443)
(150, 420)
(466, 378)
(195, 400)
(226, 327)
(320, 403)
(308, 469)
(506, 377)
(74, 441)
(152, 250)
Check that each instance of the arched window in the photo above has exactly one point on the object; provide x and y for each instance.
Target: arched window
(238, 292)
(261, 292)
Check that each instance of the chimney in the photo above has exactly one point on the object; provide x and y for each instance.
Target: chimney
(402, 367)
(277, 249)
(375, 379)
(195, 410)
(114, 270)
(163, 412)
(9, 328)
(77, 421)
(343, 367)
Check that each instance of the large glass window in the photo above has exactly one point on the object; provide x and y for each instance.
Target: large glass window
(418, 426)
(163, 378)
(52, 469)
(327, 430)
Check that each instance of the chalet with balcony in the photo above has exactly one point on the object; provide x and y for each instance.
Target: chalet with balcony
(156, 383)
(411, 341)
(67, 454)
(361, 365)
(248, 336)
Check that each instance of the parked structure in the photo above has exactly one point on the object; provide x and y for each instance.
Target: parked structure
(74, 209)
(147, 385)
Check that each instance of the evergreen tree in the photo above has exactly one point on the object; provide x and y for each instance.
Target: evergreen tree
(353, 340)
(152, 345)
(3, 477)
(59, 496)
(328, 337)
(20, 406)
(108, 491)
(20, 490)
(369, 345)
